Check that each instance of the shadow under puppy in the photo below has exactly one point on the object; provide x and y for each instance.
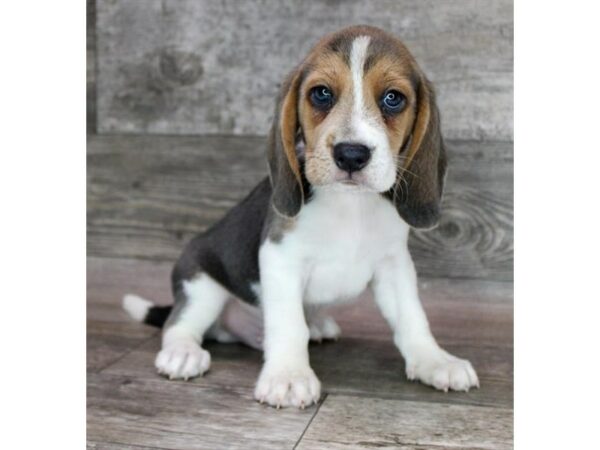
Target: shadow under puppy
(355, 159)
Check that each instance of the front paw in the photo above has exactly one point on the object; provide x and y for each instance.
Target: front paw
(440, 369)
(182, 360)
(281, 387)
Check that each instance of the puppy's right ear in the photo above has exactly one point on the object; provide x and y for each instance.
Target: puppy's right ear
(284, 168)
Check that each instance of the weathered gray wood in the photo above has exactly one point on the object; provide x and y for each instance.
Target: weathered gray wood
(131, 407)
(109, 279)
(460, 312)
(107, 342)
(147, 196)
(90, 24)
(364, 423)
(471, 318)
(110, 332)
(351, 366)
(193, 67)
(113, 446)
(186, 416)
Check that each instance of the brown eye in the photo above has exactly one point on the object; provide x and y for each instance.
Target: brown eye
(321, 97)
(392, 102)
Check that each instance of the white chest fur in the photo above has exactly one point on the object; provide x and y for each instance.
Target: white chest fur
(338, 240)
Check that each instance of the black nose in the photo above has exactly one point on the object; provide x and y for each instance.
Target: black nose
(351, 157)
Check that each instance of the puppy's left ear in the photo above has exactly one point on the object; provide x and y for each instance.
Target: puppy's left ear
(284, 167)
(418, 190)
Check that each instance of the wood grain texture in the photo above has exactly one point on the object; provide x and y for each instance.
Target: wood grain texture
(364, 423)
(92, 445)
(186, 416)
(131, 407)
(107, 342)
(351, 366)
(90, 97)
(470, 318)
(461, 312)
(195, 67)
(148, 195)
(110, 332)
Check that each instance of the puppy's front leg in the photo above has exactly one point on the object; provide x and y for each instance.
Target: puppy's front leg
(286, 378)
(396, 293)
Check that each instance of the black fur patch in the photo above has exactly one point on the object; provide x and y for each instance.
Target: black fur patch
(228, 251)
(378, 48)
(342, 45)
(157, 315)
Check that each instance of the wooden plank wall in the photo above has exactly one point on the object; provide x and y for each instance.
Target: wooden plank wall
(147, 195)
(200, 66)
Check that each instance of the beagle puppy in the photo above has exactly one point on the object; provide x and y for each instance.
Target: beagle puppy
(355, 159)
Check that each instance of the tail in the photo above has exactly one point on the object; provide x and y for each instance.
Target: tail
(142, 310)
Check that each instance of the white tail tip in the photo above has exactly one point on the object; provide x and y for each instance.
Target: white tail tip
(137, 307)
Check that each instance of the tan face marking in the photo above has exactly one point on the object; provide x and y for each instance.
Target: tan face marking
(386, 74)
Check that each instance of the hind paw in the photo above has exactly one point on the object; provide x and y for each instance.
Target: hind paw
(323, 328)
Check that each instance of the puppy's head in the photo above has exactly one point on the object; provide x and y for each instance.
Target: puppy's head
(359, 114)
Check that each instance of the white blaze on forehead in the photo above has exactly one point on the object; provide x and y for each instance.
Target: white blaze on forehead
(366, 127)
(358, 54)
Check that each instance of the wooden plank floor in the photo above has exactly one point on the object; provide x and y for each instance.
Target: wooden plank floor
(367, 401)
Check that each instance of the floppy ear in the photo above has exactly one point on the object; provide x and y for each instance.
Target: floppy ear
(284, 168)
(418, 190)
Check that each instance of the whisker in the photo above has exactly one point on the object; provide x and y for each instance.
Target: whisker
(400, 159)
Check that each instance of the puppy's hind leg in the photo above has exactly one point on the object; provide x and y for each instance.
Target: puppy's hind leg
(321, 325)
(198, 303)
